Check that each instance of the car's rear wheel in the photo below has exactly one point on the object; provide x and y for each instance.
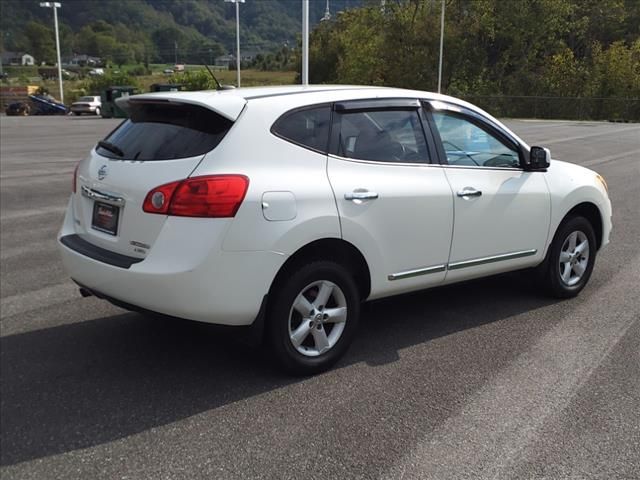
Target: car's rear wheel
(313, 317)
(571, 258)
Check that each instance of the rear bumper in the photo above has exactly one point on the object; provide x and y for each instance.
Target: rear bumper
(83, 109)
(225, 288)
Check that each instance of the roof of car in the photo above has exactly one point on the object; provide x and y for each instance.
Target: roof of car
(230, 103)
(299, 95)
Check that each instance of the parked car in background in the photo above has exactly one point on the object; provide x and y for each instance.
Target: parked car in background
(18, 108)
(91, 105)
(96, 72)
(284, 208)
(45, 104)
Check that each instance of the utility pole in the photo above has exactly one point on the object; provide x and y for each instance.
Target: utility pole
(441, 45)
(305, 42)
(237, 2)
(56, 6)
(175, 49)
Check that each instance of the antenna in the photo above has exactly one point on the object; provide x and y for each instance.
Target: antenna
(327, 13)
(219, 85)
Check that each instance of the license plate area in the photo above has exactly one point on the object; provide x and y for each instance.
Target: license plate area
(105, 218)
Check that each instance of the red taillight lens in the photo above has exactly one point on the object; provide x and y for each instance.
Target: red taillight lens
(212, 196)
(74, 185)
(158, 199)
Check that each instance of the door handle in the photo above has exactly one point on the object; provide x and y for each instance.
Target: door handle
(360, 195)
(469, 192)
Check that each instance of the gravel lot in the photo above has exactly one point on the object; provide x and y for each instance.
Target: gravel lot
(481, 380)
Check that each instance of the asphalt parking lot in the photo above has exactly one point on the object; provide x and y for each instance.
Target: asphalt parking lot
(482, 380)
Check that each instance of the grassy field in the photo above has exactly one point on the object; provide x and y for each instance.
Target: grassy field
(75, 88)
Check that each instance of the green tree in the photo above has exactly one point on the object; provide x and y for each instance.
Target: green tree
(40, 42)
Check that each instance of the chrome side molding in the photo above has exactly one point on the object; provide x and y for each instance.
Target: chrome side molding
(495, 258)
(464, 264)
(417, 272)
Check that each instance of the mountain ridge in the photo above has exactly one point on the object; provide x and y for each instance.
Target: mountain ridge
(157, 30)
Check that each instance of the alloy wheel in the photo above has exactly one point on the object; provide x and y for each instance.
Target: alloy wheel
(574, 258)
(317, 318)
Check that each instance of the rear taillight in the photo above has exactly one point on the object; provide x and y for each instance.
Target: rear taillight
(75, 178)
(207, 196)
(157, 200)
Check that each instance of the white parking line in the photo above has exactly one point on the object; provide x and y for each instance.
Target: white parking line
(610, 158)
(592, 135)
(15, 214)
(488, 437)
(44, 297)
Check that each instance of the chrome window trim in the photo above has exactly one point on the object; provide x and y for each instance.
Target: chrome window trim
(382, 162)
(484, 167)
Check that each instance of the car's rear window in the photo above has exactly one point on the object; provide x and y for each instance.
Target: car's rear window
(166, 131)
(307, 127)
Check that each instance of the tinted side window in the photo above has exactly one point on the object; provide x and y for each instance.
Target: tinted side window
(163, 131)
(384, 135)
(308, 127)
(467, 144)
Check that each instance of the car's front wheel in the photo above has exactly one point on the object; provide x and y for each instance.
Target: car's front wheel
(571, 258)
(313, 317)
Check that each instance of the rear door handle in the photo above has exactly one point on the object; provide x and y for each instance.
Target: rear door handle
(361, 195)
(469, 192)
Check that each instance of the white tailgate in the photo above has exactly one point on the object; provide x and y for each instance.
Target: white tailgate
(130, 181)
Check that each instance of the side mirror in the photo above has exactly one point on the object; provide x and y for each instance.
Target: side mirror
(539, 159)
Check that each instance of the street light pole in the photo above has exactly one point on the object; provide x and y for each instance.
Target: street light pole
(237, 2)
(441, 45)
(305, 42)
(56, 6)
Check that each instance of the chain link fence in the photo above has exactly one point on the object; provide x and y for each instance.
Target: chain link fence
(561, 108)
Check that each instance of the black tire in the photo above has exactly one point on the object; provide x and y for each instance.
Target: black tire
(550, 272)
(283, 319)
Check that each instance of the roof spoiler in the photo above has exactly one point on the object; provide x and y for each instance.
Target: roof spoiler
(228, 106)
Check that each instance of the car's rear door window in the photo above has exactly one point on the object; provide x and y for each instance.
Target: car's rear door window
(308, 127)
(388, 135)
(165, 131)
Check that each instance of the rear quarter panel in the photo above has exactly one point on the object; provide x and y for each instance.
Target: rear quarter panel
(273, 165)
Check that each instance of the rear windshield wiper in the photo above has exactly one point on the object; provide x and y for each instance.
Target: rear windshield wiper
(111, 147)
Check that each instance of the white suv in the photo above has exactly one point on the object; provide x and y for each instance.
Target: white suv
(284, 208)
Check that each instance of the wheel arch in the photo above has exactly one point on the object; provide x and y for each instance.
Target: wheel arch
(591, 212)
(336, 249)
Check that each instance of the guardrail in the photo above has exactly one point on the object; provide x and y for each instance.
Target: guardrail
(565, 108)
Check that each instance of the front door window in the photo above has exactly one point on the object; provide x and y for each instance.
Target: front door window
(466, 144)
